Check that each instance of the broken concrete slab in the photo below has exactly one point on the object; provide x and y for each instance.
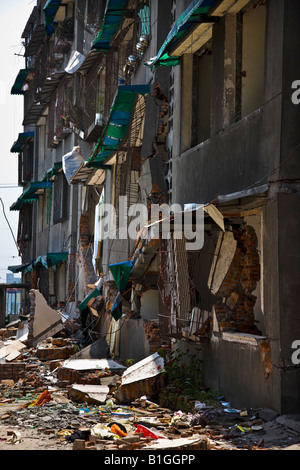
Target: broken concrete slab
(267, 414)
(91, 394)
(94, 364)
(11, 347)
(143, 378)
(96, 350)
(44, 321)
(196, 442)
(13, 355)
(291, 421)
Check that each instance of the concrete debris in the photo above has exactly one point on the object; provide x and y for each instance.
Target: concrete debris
(11, 348)
(94, 364)
(68, 398)
(143, 378)
(91, 394)
(44, 322)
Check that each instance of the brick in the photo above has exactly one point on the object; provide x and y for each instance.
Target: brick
(79, 444)
(13, 371)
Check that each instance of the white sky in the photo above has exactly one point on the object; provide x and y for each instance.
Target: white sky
(13, 18)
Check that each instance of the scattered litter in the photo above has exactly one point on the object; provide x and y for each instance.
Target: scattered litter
(149, 432)
(199, 405)
(43, 398)
(15, 437)
(93, 403)
(256, 428)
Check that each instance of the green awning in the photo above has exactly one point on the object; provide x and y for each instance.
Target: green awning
(91, 295)
(189, 19)
(30, 194)
(52, 171)
(40, 261)
(110, 25)
(117, 126)
(54, 258)
(121, 273)
(17, 88)
(51, 259)
(116, 310)
(50, 10)
(20, 268)
(18, 144)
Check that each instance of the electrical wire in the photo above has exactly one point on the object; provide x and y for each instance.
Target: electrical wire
(276, 168)
(8, 223)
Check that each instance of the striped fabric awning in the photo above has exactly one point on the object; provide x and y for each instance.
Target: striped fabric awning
(111, 23)
(116, 129)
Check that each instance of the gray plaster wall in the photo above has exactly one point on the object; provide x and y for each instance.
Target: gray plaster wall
(133, 341)
(237, 372)
(232, 160)
(261, 147)
(246, 152)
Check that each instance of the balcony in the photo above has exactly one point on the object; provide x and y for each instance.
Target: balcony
(62, 131)
(94, 130)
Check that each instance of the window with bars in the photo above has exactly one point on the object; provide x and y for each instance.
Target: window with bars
(60, 198)
(26, 164)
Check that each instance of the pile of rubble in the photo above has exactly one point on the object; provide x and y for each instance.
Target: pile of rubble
(80, 402)
(90, 403)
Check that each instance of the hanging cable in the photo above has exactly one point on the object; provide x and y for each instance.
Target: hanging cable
(8, 223)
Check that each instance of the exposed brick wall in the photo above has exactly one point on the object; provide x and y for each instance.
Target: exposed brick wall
(236, 309)
(153, 336)
(86, 253)
(12, 371)
(34, 280)
(71, 277)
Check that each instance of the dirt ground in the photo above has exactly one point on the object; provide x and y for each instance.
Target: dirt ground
(38, 428)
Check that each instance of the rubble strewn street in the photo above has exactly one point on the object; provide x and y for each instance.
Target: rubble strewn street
(53, 403)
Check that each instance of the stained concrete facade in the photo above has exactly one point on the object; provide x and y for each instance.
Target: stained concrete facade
(261, 147)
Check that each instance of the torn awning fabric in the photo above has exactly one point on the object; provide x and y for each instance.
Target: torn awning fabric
(121, 273)
(91, 295)
(21, 268)
(48, 261)
(55, 258)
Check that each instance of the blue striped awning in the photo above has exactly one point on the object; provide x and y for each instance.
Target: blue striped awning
(117, 126)
(111, 23)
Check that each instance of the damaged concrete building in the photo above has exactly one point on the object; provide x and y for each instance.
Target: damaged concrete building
(181, 103)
